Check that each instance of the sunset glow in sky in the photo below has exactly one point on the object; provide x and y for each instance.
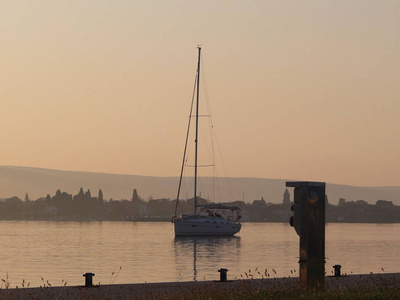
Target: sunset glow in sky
(305, 90)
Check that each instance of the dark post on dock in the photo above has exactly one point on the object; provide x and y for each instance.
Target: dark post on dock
(309, 222)
(88, 279)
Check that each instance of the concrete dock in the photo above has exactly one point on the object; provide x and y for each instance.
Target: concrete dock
(202, 289)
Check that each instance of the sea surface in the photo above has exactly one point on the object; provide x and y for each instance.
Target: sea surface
(59, 253)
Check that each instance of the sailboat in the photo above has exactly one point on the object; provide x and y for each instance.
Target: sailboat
(207, 219)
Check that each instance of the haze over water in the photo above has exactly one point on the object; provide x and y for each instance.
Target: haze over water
(62, 252)
(302, 90)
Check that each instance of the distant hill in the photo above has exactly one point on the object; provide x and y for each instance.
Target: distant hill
(37, 182)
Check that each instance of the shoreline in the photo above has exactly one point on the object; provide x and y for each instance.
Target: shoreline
(168, 220)
(174, 290)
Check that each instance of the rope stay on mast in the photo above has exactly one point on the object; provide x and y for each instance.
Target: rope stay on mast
(197, 130)
(210, 148)
(185, 149)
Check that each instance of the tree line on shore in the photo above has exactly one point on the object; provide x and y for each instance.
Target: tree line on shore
(83, 206)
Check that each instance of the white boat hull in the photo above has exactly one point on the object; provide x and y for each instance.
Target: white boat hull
(205, 227)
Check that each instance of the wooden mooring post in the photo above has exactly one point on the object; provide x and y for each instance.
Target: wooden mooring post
(309, 222)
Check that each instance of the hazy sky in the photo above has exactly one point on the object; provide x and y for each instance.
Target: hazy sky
(305, 90)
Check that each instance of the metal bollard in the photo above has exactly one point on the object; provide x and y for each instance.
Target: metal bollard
(88, 279)
(223, 275)
(337, 270)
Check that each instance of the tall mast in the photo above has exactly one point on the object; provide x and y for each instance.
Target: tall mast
(197, 131)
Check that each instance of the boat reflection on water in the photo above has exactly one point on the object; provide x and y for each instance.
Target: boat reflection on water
(200, 257)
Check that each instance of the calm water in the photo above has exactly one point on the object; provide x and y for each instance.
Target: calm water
(61, 252)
